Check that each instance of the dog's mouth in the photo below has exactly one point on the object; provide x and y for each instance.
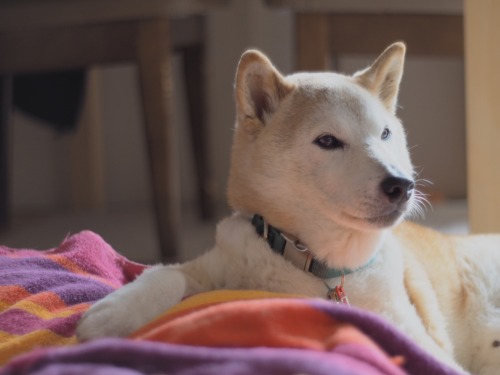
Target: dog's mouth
(383, 220)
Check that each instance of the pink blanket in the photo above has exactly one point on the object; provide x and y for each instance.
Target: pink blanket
(44, 293)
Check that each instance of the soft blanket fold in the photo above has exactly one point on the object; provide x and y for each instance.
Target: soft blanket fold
(248, 319)
(124, 357)
(43, 294)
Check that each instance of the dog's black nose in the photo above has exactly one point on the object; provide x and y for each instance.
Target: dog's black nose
(397, 189)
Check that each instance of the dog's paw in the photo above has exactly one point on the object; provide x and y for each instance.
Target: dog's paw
(133, 305)
(116, 315)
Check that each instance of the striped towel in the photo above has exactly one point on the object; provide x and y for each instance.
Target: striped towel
(244, 333)
(44, 293)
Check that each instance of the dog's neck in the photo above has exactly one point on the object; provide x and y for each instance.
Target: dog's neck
(296, 252)
(338, 246)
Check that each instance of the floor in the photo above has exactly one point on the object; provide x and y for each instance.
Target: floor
(131, 231)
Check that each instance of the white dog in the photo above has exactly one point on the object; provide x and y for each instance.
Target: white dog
(320, 181)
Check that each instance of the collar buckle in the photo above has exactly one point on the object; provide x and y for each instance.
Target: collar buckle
(298, 254)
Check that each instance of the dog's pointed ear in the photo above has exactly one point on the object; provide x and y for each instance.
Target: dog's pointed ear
(259, 89)
(383, 77)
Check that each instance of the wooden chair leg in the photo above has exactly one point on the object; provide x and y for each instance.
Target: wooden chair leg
(194, 73)
(153, 53)
(5, 110)
(312, 42)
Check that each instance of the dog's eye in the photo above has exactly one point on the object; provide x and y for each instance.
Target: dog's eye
(386, 134)
(328, 142)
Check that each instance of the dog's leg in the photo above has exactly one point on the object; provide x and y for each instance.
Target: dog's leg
(433, 348)
(128, 308)
(478, 327)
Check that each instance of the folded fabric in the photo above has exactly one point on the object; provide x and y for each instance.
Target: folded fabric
(225, 332)
(44, 293)
(249, 319)
(131, 357)
(244, 332)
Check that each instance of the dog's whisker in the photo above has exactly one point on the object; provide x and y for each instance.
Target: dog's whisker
(422, 196)
(423, 182)
(420, 205)
(417, 171)
(421, 199)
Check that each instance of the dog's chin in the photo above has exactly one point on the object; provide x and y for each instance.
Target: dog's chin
(377, 222)
(385, 221)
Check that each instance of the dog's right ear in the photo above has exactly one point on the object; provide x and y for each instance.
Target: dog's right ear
(259, 90)
(383, 77)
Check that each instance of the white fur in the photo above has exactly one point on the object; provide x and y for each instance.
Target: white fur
(443, 292)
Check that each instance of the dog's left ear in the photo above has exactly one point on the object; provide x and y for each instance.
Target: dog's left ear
(383, 77)
(259, 90)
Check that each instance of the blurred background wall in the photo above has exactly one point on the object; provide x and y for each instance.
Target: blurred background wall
(431, 108)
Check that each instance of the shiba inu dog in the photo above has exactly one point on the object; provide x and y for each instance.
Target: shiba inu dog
(321, 182)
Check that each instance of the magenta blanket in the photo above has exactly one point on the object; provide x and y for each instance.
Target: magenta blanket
(44, 293)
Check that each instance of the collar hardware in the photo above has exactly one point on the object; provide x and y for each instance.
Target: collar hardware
(338, 294)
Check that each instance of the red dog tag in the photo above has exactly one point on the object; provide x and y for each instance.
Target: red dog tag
(338, 294)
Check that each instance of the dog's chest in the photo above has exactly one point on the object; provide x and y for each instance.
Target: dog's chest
(244, 260)
(376, 286)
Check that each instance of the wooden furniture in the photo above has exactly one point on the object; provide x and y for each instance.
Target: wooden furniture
(43, 35)
(326, 28)
(482, 97)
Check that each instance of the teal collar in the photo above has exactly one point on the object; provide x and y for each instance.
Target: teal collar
(296, 252)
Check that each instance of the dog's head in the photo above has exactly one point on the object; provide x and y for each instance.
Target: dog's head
(321, 149)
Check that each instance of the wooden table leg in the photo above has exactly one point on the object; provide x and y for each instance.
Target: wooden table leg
(482, 59)
(153, 52)
(86, 153)
(194, 72)
(5, 110)
(313, 51)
